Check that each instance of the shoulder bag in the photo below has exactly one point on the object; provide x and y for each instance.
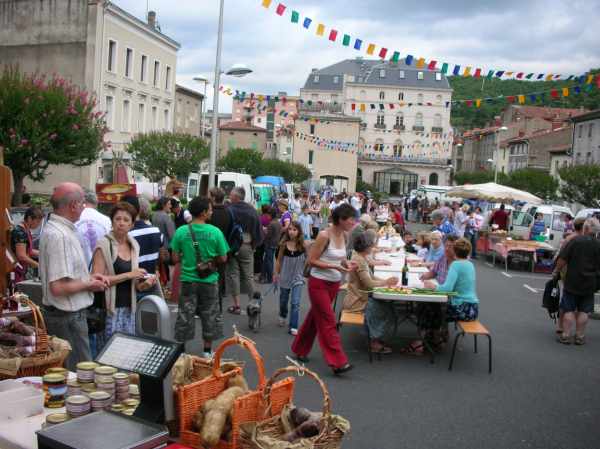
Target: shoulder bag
(204, 269)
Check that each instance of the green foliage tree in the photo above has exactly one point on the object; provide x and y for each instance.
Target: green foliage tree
(581, 184)
(468, 117)
(537, 182)
(478, 177)
(45, 123)
(165, 154)
(251, 162)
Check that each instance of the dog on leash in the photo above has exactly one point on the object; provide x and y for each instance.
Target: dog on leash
(254, 311)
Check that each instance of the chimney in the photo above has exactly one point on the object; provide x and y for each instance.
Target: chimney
(152, 18)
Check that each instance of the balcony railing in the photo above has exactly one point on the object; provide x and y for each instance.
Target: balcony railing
(379, 126)
(437, 129)
(363, 126)
(406, 159)
(399, 127)
(418, 128)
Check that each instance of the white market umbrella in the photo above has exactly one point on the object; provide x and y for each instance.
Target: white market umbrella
(490, 191)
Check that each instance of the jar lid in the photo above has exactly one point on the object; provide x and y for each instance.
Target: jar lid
(120, 376)
(87, 366)
(88, 388)
(56, 418)
(105, 370)
(134, 389)
(58, 370)
(73, 383)
(109, 381)
(53, 378)
(129, 411)
(78, 399)
(117, 408)
(99, 395)
(130, 403)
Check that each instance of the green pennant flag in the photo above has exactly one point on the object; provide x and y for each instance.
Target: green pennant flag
(346, 40)
(444, 68)
(395, 57)
(529, 76)
(490, 75)
(295, 16)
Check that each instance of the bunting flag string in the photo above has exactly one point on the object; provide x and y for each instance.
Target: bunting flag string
(328, 143)
(420, 62)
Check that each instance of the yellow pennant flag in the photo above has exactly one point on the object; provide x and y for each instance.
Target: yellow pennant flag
(549, 77)
(371, 49)
(261, 98)
(590, 78)
(565, 91)
(402, 104)
(508, 73)
(467, 71)
(320, 29)
(266, 3)
(521, 99)
(362, 107)
(478, 102)
(420, 63)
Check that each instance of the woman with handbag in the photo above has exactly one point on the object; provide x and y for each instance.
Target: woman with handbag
(116, 257)
(327, 264)
(21, 244)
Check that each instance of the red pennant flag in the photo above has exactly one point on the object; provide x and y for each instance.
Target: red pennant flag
(333, 35)
(391, 106)
(511, 99)
(354, 106)
(382, 53)
(477, 73)
(431, 65)
(469, 102)
(520, 75)
(554, 93)
(280, 9)
(598, 81)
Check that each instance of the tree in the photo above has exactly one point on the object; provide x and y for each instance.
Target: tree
(45, 123)
(248, 161)
(581, 184)
(537, 182)
(165, 154)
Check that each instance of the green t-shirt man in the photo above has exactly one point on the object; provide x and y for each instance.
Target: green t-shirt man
(211, 242)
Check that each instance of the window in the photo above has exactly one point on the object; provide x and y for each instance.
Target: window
(438, 77)
(438, 99)
(112, 56)
(168, 79)
(167, 119)
(380, 119)
(334, 98)
(419, 119)
(397, 149)
(258, 120)
(580, 131)
(144, 69)
(419, 75)
(336, 79)
(591, 130)
(399, 119)
(433, 179)
(420, 98)
(126, 116)
(401, 74)
(312, 129)
(316, 79)
(314, 97)
(141, 119)
(154, 118)
(311, 157)
(382, 95)
(379, 145)
(437, 120)
(400, 96)
(110, 112)
(156, 74)
(381, 73)
(128, 62)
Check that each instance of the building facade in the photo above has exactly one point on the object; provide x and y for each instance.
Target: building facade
(327, 145)
(586, 138)
(127, 63)
(234, 135)
(533, 151)
(404, 115)
(188, 111)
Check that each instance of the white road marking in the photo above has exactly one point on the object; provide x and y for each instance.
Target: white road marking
(506, 274)
(531, 289)
(489, 264)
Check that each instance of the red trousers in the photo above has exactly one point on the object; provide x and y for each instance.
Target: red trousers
(320, 322)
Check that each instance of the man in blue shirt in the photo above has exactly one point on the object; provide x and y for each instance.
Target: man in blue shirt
(442, 224)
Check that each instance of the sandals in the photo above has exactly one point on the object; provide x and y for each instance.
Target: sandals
(234, 310)
(579, 340)
(413, 348)
(379, 348)
(564, 340)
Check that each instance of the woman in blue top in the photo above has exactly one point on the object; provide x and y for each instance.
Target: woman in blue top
(539, 226)
(460, 279)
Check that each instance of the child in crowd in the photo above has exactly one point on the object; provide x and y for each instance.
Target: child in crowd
(422, 244)
(272, 237)
(289, 269)
(306, 221)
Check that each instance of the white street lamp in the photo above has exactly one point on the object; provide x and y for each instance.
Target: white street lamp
(203, 80)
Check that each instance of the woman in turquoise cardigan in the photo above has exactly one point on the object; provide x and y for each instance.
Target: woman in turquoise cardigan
(461, 280)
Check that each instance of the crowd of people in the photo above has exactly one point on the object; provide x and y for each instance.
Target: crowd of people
(95, 267)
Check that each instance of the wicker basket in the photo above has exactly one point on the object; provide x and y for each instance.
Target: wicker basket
(330, 436)
(247, 408)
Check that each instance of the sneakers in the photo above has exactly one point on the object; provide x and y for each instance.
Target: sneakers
(282, 322)
(293, 332)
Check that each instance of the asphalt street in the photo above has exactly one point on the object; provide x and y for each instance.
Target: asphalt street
(541, 394)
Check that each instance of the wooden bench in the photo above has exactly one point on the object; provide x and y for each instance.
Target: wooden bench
(474, 328)
(356, 319)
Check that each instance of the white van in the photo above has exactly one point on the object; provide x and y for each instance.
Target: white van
(433, 193)
(198, 184)
(553, 218)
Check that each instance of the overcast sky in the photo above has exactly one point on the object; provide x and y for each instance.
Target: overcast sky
(548, 36)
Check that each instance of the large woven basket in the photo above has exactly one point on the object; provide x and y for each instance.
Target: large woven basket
(247, 408)
(330, 436)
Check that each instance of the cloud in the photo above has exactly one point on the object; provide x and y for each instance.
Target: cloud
(548, 36)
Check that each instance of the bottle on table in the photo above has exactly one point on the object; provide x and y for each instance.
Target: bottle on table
(405, 273)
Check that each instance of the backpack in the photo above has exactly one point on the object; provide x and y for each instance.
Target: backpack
(236, 235)
(551, 298)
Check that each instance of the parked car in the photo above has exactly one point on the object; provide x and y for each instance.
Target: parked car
(587, 213)
(553, 218)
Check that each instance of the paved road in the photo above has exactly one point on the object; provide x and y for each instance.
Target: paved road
(540, 395)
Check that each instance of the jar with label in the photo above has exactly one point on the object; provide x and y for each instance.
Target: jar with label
(73, 387)
(58, 370)
(78, 405)
(55, 418)
(134, 392)
(101, 400)
(109, 387)
(55, 390)
(104, 374)
(87, 389)
(85, 372)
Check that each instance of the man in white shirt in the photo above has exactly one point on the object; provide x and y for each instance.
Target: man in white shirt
(67, 286)
(92, 225)
(460, 218)
(356, 202)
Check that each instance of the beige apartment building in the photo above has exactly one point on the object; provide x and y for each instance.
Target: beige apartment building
(234, 135)
(332, 160)
(127, 63)
(188, 111)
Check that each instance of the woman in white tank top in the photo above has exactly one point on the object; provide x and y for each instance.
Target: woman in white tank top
(328, 262)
